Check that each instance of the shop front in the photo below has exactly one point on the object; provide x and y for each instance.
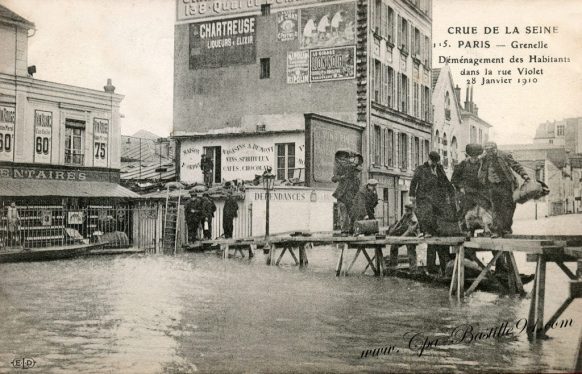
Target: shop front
(56, 205)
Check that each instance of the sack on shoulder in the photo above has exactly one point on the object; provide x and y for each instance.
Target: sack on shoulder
(530, 190)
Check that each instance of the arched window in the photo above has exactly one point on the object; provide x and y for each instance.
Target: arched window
(445, 153)
(437, 142)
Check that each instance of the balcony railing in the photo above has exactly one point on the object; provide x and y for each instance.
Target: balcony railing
(74, 158)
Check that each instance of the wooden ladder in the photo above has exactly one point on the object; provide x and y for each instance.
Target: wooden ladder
(171, 229)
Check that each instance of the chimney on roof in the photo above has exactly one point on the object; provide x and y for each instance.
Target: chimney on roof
(475, 110)
(467, 107)
(458, 94)
(109, 88)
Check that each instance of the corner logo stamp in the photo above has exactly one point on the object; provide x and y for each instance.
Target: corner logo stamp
(23, 363)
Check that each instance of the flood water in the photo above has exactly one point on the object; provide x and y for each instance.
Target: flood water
(199, 313)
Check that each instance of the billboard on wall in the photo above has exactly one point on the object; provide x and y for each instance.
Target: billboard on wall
(332, 64)
(43, 134)
(221, 43)
(287, 25)
(100, 141)
(328, 26)
(297, 67)
(7, 120)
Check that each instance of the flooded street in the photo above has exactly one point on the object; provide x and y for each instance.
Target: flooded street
(196, 312)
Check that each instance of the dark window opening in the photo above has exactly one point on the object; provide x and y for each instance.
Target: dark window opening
(265, 9)
(265, 68)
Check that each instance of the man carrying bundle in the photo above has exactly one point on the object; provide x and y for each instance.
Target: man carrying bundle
(346, 174)
(407, 226)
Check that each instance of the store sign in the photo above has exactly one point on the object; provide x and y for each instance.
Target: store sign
(100, 142)
(332, 64)
(197, 10)
(287, 22)
(298, 67)
(328, 26)
(52, 173)
(7, 121)
(43, 135)
(223, 43)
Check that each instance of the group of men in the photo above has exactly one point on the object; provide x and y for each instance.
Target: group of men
(200, 211)
(481, 185)
(354, 202)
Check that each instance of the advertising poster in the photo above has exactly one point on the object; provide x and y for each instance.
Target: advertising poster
(100, 142)
(46, 217)
(332, 64)
(287, 25)
(297, 67)
(328, 26)
(7, 119)
(221, 43)
(43, 130)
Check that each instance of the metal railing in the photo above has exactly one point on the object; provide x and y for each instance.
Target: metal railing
(115, 226)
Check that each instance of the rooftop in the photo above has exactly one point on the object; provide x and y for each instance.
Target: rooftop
(8, 16)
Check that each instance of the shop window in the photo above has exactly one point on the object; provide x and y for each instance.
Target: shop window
(265, 68)
(285, 160)
(74, 142)
(214, 153)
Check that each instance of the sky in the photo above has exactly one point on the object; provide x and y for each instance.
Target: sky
(84, 42)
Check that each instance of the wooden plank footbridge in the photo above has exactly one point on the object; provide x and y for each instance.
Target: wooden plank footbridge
(541, 249)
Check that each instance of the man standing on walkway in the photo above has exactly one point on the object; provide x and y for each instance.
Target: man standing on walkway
(229, 212)
(365, 202)
(346, 174)
(208, 209)
(430, 191)
(497, 177)
(407, 226)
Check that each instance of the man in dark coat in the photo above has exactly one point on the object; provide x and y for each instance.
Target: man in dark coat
(364, 202)
(194, 216)
(206, 165)
(497, 177)
(229, 212)
(346, 174)
(466, 181)
(431, 191)
(208, 209)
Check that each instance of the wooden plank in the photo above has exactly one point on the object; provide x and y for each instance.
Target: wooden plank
(461, 272)
(290, 249)
(340, 260)
(225, 251)
(280, 256)
(530, 257)
(454, 277)
(483, 273)
(365, 252)
(576, 289)
(510, 275)
(557, 314)
(571, 240)
(534, 300)
(515, 273)
(379, 260)
(565, 269)
(354, 260)
(538, 317)
(575, 252)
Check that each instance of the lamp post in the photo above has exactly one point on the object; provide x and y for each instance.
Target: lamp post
(268, 182)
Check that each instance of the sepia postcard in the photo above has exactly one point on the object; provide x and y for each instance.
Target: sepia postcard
(290, 186)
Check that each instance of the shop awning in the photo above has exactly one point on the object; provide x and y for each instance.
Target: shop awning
(26, 187)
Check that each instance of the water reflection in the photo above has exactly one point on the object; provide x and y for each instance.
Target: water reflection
(156, 314)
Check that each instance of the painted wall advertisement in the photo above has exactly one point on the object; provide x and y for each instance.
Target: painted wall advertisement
(100, 141)
(223, 43)
(7, 119)
(332, 64)
(43, 134)
(297, 67)
(328, 26)
(287, 25)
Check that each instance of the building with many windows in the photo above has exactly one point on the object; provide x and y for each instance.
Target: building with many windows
(567, 133)
(284, 85)
(59, 145)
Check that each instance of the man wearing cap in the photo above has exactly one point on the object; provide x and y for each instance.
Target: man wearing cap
(346, 174)
(430, 190)
(229, 212)
(466, 181)
(497, 177)
(365, 201)
(406, 226)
